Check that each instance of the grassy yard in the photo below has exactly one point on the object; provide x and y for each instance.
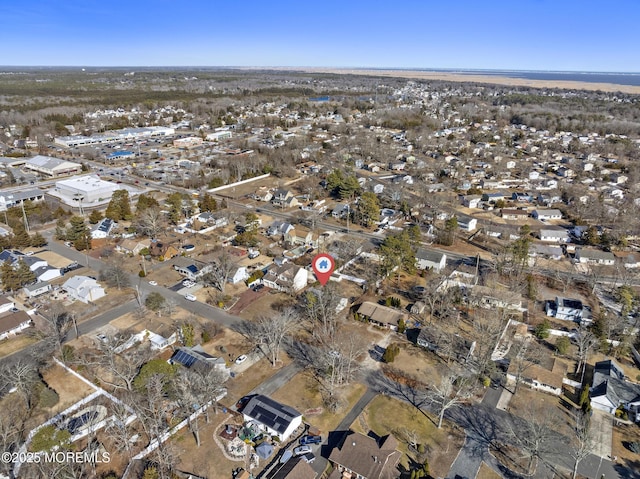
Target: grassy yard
(303, 394)
(486, 472)
(527, 400)
(11, 345)
(386, 415)
(623, 435)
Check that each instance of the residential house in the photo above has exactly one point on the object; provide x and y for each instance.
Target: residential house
(197, 357)
(288, 278)
(545, 251)
(36, 289)
(83, 289)
(521, 197)
(565, 308)
(631, 261)
(341, 210)
(381, 315)
(445, 343)
(550, 214)
(595, 256)
(363, 457)
(158, 248)
(102, 229)
(426, 259)
(272, 417)
(467, 223)
(133, 247)
(11, 323)
(6, 304)
(190, 268)
(543, 377)
(554, 235)
(492, 298)
(47, 273)
(471, 201)
(493, 197)
(513, 214)
(263, 194)
(284, 198)
(238, 275)
(610, 390)
(279, 228)
(295, 468)
(208, 219)
(301, 236)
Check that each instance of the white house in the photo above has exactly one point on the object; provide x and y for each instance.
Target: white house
(595, 256)
(274, 418)
(550, 214)
(102, 229)
(565, 308)
(6, 304)
(287, 277)
(12, 323)
(83, 288)
(555, 235)
(239, 275)
(430, 260)
(466, 223)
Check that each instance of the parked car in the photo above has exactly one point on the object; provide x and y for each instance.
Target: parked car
(306, 440)
(241, 359)
(153, 283)
(190, 297)
(300, 450)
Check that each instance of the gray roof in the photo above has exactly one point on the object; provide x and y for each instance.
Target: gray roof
(608, 380)
(271, 413)
(22, 194)
(36, 286)
(49, 162)
(433, 256)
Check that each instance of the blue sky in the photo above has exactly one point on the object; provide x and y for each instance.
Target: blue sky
(582, 35)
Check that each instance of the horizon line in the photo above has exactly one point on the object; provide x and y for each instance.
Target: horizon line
(290, 67)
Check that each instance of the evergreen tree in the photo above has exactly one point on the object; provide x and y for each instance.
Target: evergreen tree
(24, 273)
(119, 207)
(95, 217)
(37, 240)
(145, 202)
(9, 277)
(174, 202)
(368, 209)
(21, 238)
(207, 203)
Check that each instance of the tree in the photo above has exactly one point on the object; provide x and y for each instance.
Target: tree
(115, 276)
(273, 330)
(583, 442)
(562, 345)
(341, 185)
(57, 323)
(122, 366)
(119, 207)
(320, 307)
(9, 277)
(454, 389)
(586, 342)
(368, 209)
(448, 235)
(49, 437)
(534, 434)
(37, 241)
(207, 203)
(22, 375)
(174, 202)
(397, 252)
(154, 367)
(390, 353)
(145, 202)
(542, 330)
(95, 217)
(155, 302)
(150, 222)
(24, 273)
(78, 233)
(222, 268)
(525, 353)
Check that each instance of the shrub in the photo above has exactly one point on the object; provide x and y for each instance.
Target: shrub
(48, 397)
(141, 274)
(49, 437)
(390, 353)
(68, 353)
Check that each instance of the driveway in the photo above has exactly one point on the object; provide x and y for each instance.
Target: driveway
(602, 427)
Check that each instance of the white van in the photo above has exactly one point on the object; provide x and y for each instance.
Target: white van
(190, 297)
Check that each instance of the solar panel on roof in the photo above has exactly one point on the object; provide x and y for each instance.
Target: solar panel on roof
(184, 358)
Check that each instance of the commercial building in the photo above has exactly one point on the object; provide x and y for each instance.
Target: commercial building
(8, 199)
(47, 165)
(218, 135)
(88, 189)
(126, 134)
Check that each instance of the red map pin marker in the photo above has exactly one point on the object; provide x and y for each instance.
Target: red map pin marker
(323, 265)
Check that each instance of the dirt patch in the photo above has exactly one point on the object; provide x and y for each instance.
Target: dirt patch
(527, 400)
(16, 343)
(265, 304)
(386, 415)
(304, 394)
(623, 436)
(69, 388)
(246, 381)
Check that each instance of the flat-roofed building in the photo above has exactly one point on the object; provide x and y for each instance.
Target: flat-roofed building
(9, 199)
(50, 166)
(88, 189)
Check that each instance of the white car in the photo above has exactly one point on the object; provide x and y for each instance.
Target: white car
(300, 450)
(190, 297)
(153, 283)
(241, 359)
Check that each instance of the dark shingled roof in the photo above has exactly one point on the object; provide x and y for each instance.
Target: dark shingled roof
(271, 413)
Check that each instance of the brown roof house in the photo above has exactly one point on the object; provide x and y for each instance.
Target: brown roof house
(12, 323)
(162, 248)
(363, 457)
(543, 377)
(381, 315)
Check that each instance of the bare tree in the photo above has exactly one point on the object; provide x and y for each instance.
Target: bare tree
(151, 222)
(21, 375)
(583, 443)
(56, 325)
(586, 342)
(454, 389)
(122, 365)
(273, 330)
(534, 434)
(524, 354)
(222, 268)
(321, 307)
(487, 328)
(115, 275)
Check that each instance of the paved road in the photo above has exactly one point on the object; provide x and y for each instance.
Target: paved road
(278, 380)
